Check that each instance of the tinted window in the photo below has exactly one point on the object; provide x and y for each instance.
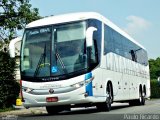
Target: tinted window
(116, 43)
(108, 40)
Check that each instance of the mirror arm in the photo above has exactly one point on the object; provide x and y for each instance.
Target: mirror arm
(12, 46)
(89, 36)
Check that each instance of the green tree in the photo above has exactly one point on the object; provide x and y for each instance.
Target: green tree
(154, 68)
(158, 67)
(14, 15)
(9, 88)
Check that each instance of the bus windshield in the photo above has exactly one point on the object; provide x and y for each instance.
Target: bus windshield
(54, 50)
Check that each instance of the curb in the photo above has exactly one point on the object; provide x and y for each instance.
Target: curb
(20, 110)
(19, 107)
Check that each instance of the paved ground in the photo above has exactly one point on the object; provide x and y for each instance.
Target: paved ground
(118, 112)
(20, 110)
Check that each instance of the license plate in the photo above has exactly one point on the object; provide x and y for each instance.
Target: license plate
(51, 99)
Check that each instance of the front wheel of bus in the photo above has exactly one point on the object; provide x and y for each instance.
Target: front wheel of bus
(53, 109)
(106, 106)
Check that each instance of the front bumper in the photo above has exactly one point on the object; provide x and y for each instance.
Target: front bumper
(77, 96)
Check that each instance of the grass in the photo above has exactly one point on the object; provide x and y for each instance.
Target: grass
(7, 109)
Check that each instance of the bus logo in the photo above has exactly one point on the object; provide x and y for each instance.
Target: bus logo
(51, 91)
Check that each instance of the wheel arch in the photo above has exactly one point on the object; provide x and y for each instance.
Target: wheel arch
(106, 86)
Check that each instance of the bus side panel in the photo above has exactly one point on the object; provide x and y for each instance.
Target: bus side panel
(97, 83)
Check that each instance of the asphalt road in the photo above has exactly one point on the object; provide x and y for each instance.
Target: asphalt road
(151, 111)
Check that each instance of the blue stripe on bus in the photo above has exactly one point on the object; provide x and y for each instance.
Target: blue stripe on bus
(89, 88)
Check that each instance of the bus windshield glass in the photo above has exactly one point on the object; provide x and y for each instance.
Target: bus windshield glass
(56, 50)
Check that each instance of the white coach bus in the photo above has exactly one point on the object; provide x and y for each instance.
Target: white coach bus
(81, 59)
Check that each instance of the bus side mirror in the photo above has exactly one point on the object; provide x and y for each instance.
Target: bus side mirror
(89, 36)
(12, 46)
(11, 50)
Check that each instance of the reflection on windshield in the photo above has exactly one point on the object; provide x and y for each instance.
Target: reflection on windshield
(70, 48)
(35, 59)
(72, 55)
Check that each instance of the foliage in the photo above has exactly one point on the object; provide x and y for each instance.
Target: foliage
(7, 109)
(155, 89)
(9, 88)
(14, 15)
(154, 68)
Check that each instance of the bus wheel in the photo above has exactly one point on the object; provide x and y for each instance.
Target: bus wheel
(142, 96)
(106, 106)
(53, 109)
(141, 100)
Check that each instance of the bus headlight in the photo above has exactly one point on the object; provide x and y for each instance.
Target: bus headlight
(26, 89)
(78, 85)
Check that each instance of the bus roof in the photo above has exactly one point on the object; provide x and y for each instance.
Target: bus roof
(76, 17)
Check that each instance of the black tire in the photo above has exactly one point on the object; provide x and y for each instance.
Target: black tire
(52, 110)
(140, 101)
(106, 106)
(143, 99)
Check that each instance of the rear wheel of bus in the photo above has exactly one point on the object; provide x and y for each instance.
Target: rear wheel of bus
(141, 100)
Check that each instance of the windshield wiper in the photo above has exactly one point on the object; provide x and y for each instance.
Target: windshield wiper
(42, 58)
(60, 61)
